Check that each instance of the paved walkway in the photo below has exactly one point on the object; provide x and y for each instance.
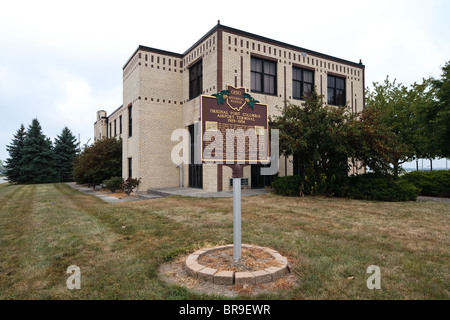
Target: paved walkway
(165, 192)
(193, 192)
(104, 196)
(423, 198)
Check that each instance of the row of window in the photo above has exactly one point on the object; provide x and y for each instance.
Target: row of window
(263, 79)
(130, 124)
(115, 127)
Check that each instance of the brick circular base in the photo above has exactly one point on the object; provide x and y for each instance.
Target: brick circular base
(198, 271)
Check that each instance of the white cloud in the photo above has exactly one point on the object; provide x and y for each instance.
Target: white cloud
(79, 102)
(61, 61)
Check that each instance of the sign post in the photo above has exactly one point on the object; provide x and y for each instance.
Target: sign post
(234, 136)
(237, 232)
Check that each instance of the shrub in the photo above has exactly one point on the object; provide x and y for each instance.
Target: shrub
(364, 187)
(308, 185)
(130, 184)
(378, 187)
(113, 184)
(432, 183)
(287, 186)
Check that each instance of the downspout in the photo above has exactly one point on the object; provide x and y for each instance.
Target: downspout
(181, 174)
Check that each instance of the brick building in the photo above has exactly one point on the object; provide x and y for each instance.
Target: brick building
(161, 93)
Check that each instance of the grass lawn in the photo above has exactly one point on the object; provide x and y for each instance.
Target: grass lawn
(46, 228)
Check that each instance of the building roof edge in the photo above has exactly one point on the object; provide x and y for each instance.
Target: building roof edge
(249, 35)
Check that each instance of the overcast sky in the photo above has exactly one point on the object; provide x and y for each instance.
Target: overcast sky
(61, 61)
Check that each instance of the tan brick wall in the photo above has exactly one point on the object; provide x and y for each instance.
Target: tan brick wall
(286, 59)
(153, 85)
(237, 53)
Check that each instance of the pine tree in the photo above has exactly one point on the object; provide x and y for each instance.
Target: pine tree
(65, 151)
(37, 162)
(15, 149)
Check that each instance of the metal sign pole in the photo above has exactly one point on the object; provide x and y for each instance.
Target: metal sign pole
(238, 170)
(237, 219)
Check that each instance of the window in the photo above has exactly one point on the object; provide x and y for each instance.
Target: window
(120, 125)
(115, 128)
(336, 91)
(130, 121)
(195, 80)
(130, 167)
(195, 170)
(302, 83)
(263, 76)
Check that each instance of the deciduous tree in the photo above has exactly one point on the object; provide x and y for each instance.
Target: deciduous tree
(439, 113)
(99, 162)
(322, 137)
(399, 113)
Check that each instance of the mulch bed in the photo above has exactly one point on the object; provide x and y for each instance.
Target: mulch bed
(252, 259)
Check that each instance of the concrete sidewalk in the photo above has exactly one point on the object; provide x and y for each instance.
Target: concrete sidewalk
(435, 199)
(193, 192)
(165, 192)
(103, 196)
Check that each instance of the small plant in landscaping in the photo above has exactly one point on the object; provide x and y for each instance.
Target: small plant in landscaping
(130, 184)
(114, 183)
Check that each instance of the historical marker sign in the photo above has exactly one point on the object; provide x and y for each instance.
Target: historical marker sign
(234, 131)
(234, 128)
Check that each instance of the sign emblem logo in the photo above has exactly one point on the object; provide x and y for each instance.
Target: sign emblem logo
(236, 98)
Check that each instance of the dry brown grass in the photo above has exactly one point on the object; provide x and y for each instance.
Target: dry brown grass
(119, 248)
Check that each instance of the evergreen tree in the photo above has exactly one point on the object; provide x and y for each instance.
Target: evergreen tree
(37, 162)
(65, 152)
(15, 149)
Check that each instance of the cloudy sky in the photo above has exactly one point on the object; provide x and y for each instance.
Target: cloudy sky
(61, 61)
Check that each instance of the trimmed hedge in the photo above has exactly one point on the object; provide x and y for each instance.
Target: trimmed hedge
(364, 187)
(379, 188)
(287, 186)
(292, 186)
(432, 183)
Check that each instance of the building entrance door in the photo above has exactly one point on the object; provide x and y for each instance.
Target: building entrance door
(195, 170)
